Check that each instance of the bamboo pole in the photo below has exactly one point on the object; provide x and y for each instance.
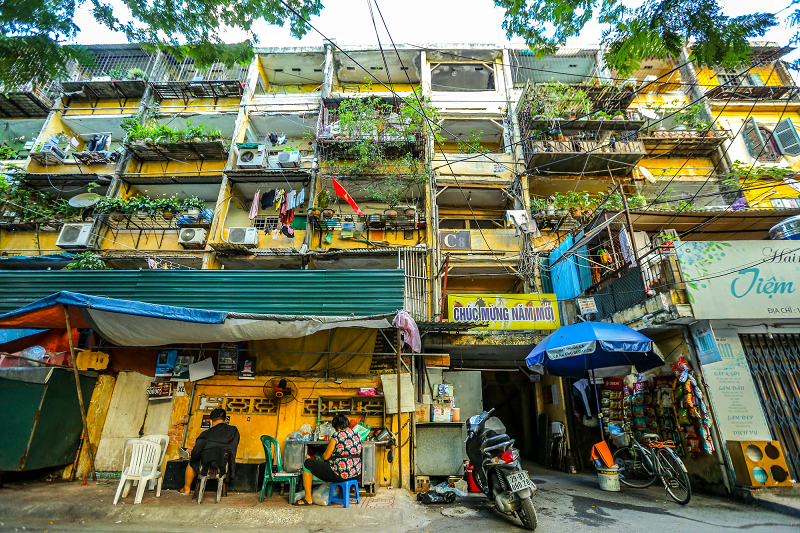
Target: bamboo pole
(86, 438)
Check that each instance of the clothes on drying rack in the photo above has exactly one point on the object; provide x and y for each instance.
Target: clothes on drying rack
(254, 206)
(267, 199)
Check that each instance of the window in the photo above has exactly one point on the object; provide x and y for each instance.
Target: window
(768, 146)
(261, 222)
(735, 79)
(462, 77)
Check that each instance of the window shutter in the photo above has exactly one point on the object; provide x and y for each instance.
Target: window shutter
(753, 138)
(786, 137)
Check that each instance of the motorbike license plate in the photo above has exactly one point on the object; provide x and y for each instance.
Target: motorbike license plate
(519, 481)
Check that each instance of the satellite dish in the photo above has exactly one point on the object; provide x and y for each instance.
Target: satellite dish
(648, 113)
(86, 199)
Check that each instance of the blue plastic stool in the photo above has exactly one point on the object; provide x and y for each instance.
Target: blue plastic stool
(344, 488)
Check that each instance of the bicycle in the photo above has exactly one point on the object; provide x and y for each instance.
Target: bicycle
(639, 467)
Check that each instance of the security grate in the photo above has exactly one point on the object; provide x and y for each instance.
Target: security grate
(775, 365)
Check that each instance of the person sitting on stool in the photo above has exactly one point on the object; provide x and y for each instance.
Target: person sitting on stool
(342, 459)
(219, 435)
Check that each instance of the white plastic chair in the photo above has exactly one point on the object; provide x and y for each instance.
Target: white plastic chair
(163, 441)
(141, 466)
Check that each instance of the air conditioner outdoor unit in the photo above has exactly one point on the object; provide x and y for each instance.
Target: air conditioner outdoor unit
(252, 157)
(54, 150)
(74, 236)
(192, 237)
(289, 159)
(247, 236)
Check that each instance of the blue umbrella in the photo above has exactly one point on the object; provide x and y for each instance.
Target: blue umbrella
(611, 349)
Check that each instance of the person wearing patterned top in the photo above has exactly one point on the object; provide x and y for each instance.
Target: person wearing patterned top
(342, 459)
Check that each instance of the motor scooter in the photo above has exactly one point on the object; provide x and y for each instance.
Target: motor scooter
(496, 469)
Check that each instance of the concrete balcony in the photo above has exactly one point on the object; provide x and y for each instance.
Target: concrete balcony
(577, 156)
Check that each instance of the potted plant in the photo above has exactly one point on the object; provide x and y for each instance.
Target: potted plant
(314, 211)
(561, 202)
(117, 208)
(411, 212)
(169, 206)
(538, 206)
(618, 115)
(136, 74)
(143, 206)
(551, 208)
(117, 74)
(193, 206)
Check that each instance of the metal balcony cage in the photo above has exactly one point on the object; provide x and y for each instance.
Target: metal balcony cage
(183, 79)
(337, 131)
(119, 72)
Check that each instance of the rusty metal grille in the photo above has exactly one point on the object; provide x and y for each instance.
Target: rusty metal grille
(775, 366)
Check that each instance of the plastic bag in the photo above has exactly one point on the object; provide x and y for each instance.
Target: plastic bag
(306, 429)
(444, 488)
(295, 435)
(299, 495)
(322, 494)
(434, 497)
(362, 430)
(618, 436)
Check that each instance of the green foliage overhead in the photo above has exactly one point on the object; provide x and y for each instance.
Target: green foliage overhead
(656, 28)
(35, 30)
(87, 261)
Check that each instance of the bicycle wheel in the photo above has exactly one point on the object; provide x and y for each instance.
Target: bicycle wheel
(635, 467)
(675, 477)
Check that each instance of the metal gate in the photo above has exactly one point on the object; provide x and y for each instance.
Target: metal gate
(775, 365)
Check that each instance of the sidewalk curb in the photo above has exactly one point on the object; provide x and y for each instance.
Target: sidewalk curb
(770, 505)
(209, 514)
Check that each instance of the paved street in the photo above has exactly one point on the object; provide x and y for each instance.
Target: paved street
(565, 503)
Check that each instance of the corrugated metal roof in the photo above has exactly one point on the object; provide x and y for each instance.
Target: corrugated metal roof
(295, 292)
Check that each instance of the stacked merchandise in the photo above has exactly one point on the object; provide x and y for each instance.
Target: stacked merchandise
(443, 403)
(674, 409)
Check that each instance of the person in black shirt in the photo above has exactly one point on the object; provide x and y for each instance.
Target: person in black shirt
(220, 435)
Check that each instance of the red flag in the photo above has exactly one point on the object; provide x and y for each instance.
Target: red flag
(341, 193)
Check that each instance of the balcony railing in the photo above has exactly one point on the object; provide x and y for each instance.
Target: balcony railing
(114, 75)
(28, 101)
(574, 156)
(665, 143)
(744, 92)
(183, 79)
(658, 271)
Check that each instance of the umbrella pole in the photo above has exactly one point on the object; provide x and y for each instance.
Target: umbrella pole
(599, 410)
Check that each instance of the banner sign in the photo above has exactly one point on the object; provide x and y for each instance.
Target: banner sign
(733, 393)
(455, 240)
(505, 311)
(742, 279)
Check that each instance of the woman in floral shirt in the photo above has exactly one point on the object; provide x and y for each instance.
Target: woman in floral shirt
(342, 458)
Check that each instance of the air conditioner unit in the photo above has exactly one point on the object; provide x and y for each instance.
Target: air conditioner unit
(289, 159)
(247, 236)
(192, 238)
(50, 148)
(74, 236)
(252, 157)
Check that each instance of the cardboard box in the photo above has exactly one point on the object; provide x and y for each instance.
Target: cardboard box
(423, 413)
(423, 483)
(442, 414)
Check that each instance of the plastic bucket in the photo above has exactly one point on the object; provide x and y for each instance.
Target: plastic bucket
(609, 479)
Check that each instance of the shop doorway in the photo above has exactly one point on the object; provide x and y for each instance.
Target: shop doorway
(512, 395)
(774, 362)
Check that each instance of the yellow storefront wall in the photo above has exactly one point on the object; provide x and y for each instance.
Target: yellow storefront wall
(27, 241)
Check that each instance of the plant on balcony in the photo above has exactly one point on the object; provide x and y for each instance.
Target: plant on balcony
(391, 192)
(193, 206)
(556, 101)
(151, 132)
(137, 74)
(577, 202)
(473, 143)
(169, 206)
(561, 203)
(741, 171)
(143, 206)
(691, 119)
(87, 261)
(117, 73)
(538, 206)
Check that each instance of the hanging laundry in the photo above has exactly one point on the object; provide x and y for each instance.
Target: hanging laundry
(300, 198)
(254, 205)
(282, 139)
(288, 231)
(290, 196)
(278, 199)
(267, 199)
(408, 329)
(273, 139)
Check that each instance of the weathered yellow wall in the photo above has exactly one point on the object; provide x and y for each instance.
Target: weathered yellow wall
(670, 166)
(44, 242)
(103, 107)
(768, 74)
(288, 417)
(176, 105)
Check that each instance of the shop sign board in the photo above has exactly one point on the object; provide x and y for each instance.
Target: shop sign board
(733, 393)
(707, 350)
(505, 312)
(455, 240)
(159, 390)
(587, 306)
(742, 279)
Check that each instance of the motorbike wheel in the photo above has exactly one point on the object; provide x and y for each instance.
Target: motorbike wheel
(527, 513)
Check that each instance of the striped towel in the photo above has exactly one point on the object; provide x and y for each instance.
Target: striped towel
(254, 206)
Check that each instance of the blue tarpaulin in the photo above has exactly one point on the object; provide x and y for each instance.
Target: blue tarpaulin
(131, 323)
(8, 335)
(564, 276)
